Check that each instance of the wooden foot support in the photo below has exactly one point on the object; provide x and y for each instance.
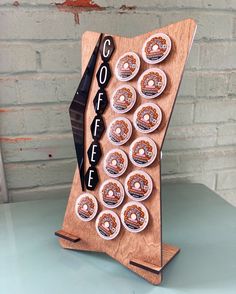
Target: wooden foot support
(67, 236)
(168, 253)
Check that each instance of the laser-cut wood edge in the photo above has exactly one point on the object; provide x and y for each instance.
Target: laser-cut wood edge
(168, 253)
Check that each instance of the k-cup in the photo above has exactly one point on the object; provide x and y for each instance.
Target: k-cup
(119, 131)
(134, 216)
(123, 99)
(107, 224)
(111, 193)
(115, 163)
(86, 207)
(152, 83)
(127, 66)
(147, 117)
(143, 151)
(138, 185)
(156, 48)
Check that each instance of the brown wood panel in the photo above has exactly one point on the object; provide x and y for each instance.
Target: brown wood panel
(146, 245)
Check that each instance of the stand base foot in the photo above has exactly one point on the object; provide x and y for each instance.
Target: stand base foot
(168, 253)
(67, 236)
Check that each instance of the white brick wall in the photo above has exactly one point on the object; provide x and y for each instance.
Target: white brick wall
(40, 70)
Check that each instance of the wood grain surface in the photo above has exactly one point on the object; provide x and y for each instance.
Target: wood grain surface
(145, 246)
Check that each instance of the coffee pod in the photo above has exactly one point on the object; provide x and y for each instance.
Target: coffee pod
(147, 117)
(115, 163)
(127, 66)
(86, 207)
(111, 193)
(134, 216)
(156, 48)
(119, 131)
(152, 83)
(107, 224)
(123, 99)
(143, 151)
(138, 185)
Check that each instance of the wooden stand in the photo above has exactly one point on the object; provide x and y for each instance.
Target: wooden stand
(144, 253)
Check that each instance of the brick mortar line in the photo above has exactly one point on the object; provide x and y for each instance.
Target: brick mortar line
(44, 136)
(207, 150)
(148, 9)
(41, 41)
(176, 153)
(34, 133)
(73, 158)
(226, 190)
(205, 171)
(23, 73)
(36, 74)
(183, 101)
(33, 42)
(40, 136)
(75, 41)
(228, 170)
(39, 162)
(30, 105)
(190, 70)
(32, 162)
(217, 124)
(39, 71)
(42, 187)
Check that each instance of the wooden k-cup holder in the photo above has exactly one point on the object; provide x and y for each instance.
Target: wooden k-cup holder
(144, 252)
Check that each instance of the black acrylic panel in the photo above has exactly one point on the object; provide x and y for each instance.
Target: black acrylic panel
(77, 109)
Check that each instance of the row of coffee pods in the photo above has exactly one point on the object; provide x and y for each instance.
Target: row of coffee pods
(153, 81)
(138, 187)
(142, 153)
(134, 216)
(151, 84)
(147, 119)
(155, 49)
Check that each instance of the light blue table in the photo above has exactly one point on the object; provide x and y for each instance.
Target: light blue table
(195, 219)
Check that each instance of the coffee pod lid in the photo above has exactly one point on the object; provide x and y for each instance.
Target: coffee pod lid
(134, 216)
(111, 193)
(127, 66)
(152, 83)
(123, 99)
(156, 48)
(107, 224)
(138, 185)
(147, 117)
(119, 131)
(86, 207)
(115, 163)
(143, 151)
